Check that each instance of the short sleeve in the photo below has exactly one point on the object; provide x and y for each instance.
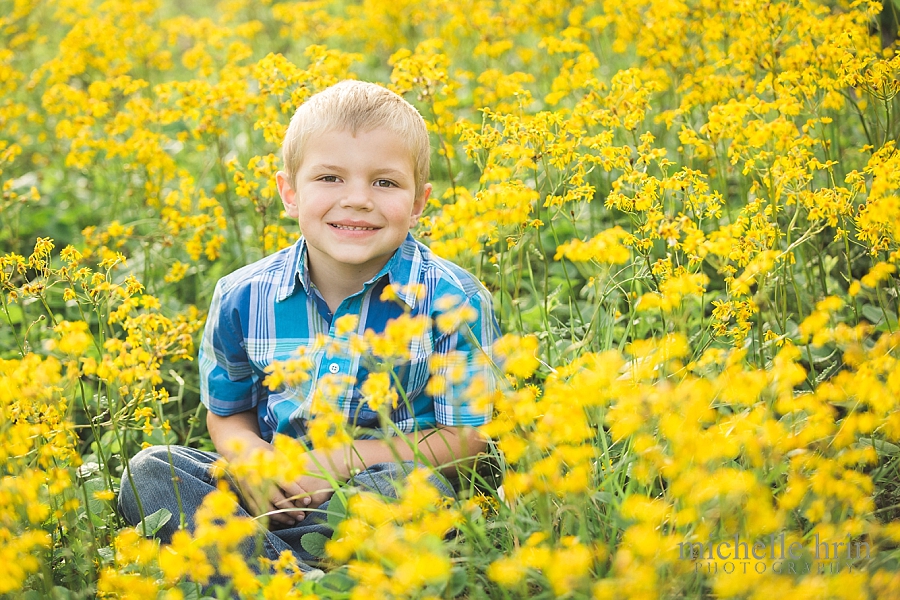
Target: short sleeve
(463, 375)
(228, 383)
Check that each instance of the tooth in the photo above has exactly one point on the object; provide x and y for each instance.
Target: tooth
(352, 228)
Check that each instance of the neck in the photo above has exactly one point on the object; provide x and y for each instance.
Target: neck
(337, 283)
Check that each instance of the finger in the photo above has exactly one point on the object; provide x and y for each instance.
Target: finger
(283, 510)
(278, 517)
(255, 505)
(296, 494)
(250, 500)
(321, 496)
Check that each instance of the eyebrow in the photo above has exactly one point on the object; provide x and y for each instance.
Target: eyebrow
(389, 171)
(326, 168)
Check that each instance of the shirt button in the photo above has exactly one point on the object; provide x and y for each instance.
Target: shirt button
(334, 368)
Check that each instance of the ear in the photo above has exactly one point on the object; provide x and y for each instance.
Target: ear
(288, 195)
(419, 206)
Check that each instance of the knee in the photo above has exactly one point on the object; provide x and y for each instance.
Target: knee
(147, 472)
(150, 463)
(383, 477)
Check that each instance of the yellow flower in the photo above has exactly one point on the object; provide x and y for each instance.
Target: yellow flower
(418, 570)
(345, 324)
(105, 495)
(605, 247)
(75, 337)
(507, 572)
(517, 355)
(878, 273)
(184, 557)
(377, 391)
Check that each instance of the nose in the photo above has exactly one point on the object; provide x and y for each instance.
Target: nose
(358, 196)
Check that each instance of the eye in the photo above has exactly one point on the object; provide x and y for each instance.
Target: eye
(385, 183)
(329, 178)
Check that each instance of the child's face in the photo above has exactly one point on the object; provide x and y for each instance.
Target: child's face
(354, 198)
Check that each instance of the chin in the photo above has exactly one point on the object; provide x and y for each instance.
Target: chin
(355, 261)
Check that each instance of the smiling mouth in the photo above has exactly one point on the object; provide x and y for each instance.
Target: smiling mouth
(352, 228)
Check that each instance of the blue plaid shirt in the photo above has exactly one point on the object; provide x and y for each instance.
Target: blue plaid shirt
(265, 311)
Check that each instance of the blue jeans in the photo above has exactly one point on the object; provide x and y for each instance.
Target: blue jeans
(152, 471)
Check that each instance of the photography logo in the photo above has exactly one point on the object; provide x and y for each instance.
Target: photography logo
(734, 555)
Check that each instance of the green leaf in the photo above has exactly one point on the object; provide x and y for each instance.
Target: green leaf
(314, 543)
(61, 593)
(109, 444)
(190, 590)
(604, 497)
(872, 313)
(107, 555)
(97, 520)
(15, 314)
(158, 437)
(97, 508)
(458, 583)
(153, 523)
(882, 447)
(337, 510)
(337, 580)
(58, 593)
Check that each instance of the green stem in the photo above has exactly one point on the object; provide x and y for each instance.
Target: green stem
(96, 434)
(19, 344)
(233, 219)
(569, 285)
(662, 315)
(850, 276)
(90, 550)
(862, 117)
(881, 304)
(545, 317)
(49, 310)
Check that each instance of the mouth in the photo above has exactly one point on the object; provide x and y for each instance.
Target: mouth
(352, 227)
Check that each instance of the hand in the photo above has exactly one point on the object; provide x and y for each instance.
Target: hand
(284, 503)
(272, 501)
(316, 491)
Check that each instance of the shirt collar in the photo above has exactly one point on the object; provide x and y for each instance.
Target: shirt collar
(399, 269)
(293, 270)
(405, 272)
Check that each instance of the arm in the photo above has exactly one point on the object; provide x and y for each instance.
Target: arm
(446, 448)
(228, 386)
(454, 441)
(241, 430)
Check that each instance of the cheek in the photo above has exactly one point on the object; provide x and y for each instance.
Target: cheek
(398, 212)
(315, 206)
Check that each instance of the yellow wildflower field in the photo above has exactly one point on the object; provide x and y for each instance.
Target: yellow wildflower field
(687, 213)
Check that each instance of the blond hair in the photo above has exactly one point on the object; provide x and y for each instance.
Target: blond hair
(358, 106)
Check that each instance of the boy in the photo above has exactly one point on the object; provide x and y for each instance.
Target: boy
(356, 164)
